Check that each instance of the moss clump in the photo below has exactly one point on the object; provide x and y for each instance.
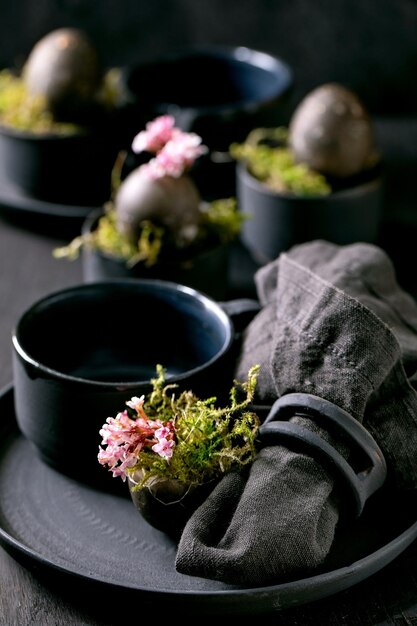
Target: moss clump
(23, 112)
(210, 441)
(221, 220)
(269, 159)
(220, 224)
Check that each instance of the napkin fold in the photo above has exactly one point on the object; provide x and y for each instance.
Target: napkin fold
(334, 323)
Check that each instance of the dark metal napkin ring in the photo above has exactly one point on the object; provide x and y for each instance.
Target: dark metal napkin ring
(276, 429)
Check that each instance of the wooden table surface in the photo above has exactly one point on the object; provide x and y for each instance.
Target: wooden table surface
(27, 272)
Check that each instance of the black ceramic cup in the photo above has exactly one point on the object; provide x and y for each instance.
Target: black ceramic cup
(79, 354)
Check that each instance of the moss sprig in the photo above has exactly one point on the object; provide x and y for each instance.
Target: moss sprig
(21, 111)
(210, 440)
(220, 224)
(271, 161)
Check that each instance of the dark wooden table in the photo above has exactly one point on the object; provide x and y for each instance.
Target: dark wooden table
(29, 271)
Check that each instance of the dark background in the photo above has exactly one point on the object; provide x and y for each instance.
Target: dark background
(369, 46)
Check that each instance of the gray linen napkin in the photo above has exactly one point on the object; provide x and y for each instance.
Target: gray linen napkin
(334, 323)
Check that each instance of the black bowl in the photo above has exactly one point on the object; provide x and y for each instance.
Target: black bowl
(70, 169)
(207, 270)
(219, 92)
(277, 221)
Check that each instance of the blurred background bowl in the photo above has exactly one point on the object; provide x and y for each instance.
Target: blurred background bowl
(218, 92)
(207, 271)
(70, 169)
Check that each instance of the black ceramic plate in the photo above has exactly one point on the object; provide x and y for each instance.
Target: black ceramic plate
(52, 522)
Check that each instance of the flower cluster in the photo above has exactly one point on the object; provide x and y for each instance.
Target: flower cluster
(125, 437)
(176, 435)
(175, 150)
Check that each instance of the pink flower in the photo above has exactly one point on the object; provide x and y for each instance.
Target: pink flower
(175, 149)
(166, 443)
(165, 431)
(136, 404)
(178, 155)
(125, 437)
(153, 169)
(157, 134)
(164, 448)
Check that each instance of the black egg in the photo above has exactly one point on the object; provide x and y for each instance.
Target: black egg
(173, 203)
(64, 68)
(331, 132)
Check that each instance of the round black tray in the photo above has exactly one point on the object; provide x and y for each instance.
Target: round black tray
(63, 528)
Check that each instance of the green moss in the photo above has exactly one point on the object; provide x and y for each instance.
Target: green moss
(111, 94)
(220, 224)
(221, 220)
(23, 112)
(269, 159)
(211, 440)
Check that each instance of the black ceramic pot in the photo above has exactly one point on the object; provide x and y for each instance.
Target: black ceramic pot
(218, 92)
(278, 221)
(207, 271)
(72, 169)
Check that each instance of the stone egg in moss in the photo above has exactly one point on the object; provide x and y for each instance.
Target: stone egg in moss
(173, 203)
(64, 69)
(331, 132)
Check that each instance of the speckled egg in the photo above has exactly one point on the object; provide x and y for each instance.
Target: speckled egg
(331, 132)
(173, 203)
(64, 68)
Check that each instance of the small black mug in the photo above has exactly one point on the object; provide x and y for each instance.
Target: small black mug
(79, 354)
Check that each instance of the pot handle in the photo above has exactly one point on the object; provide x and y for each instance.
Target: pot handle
(241, 311)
